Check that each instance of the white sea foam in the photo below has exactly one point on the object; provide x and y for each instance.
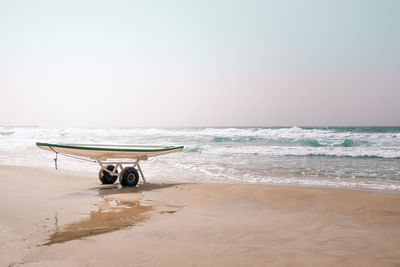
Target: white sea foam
(391, 152)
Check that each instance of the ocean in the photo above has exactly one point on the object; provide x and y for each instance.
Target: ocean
(335, 157)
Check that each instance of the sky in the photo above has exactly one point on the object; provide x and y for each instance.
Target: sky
(199, 63)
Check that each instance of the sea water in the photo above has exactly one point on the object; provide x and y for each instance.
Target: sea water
(339, 157)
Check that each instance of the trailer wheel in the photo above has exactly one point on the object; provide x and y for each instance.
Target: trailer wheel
(129, 177)
(105, 177)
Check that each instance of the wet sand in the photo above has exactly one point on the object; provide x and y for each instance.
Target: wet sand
(60, 218)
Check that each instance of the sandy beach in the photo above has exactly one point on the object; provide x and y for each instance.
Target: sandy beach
(62, 218)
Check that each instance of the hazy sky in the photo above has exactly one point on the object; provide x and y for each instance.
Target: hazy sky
(199, 63)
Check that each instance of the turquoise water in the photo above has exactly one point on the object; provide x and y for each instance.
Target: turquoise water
(344, 157)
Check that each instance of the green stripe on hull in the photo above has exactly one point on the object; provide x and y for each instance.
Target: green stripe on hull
(108, 149)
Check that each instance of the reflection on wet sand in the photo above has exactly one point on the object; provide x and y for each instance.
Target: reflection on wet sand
(111, 215)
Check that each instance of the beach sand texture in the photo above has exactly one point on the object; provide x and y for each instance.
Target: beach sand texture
(60, 218)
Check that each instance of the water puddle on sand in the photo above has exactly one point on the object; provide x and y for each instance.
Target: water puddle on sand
(111, 215)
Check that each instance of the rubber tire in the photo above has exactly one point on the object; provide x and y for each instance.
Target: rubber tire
(105, 177)
(129, 177)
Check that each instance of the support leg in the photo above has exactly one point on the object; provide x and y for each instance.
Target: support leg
(140, 171)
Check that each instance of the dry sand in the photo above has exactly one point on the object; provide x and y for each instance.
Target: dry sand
(59, 218)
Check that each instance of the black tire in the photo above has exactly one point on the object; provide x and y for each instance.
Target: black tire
(105, 177)
(129, 177)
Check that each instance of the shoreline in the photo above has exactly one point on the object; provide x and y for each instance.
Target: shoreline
(61, 217)
(93, 175)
